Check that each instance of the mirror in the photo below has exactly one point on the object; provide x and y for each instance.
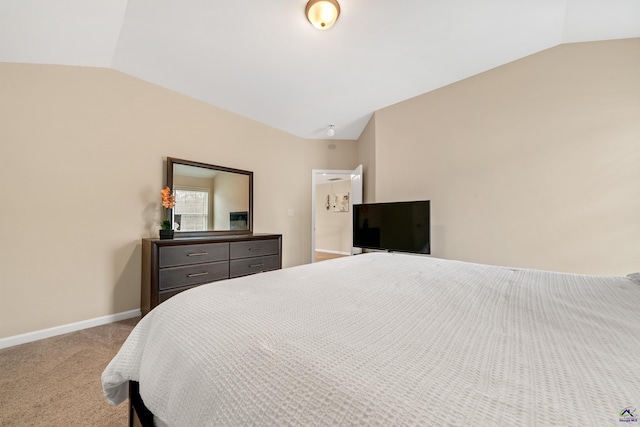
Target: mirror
(210, 199)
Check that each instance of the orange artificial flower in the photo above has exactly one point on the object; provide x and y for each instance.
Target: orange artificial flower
(168, 199)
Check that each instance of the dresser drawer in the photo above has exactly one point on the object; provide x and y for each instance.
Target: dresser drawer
(170, 256)
(165, 295)
(176, 277)
(253, 248)
(243, 267)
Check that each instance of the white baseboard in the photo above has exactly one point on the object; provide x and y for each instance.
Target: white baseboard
(65, 329)
(327, 251)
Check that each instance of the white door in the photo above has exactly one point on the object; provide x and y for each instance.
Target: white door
(355, 198)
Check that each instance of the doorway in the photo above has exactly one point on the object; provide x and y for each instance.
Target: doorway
(333, 194)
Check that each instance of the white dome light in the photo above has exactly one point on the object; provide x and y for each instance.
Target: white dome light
(331, 131)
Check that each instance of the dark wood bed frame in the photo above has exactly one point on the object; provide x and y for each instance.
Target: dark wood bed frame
(139, 414)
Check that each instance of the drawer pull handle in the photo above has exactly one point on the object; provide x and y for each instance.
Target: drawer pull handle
(256, 249)
(198, 254)
(256, 265)
(197, 274)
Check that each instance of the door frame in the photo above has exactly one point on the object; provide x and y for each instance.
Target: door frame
(356, 180)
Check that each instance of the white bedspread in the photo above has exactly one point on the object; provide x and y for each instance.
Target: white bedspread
(389, 339)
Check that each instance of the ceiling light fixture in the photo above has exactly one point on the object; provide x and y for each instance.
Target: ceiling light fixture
(331, 131)
(322, 13)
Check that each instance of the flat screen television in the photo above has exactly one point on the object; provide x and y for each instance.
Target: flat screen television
(396, 226)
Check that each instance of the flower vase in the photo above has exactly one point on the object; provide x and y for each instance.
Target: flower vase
(166, 234)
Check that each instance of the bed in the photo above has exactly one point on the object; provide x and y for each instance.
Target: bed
(389, 339)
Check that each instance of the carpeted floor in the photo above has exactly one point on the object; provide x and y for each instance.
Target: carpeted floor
(56, 381)
(324, 256)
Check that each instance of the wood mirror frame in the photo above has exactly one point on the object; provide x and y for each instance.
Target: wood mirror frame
(172, 163)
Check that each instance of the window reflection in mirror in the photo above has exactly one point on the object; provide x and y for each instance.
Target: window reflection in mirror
(191, 212)
(209, 199)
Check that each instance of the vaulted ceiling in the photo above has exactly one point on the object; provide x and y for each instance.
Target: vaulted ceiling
(263, 60)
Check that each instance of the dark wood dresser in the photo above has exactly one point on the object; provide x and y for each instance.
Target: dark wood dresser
(175, 265)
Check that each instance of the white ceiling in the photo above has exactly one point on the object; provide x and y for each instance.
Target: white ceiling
(263, 60)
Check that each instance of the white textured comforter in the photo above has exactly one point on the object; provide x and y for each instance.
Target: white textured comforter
(389, 339)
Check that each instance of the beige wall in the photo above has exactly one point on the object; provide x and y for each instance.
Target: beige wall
(533, 164)
(333, 229)
(70, 246)
(367, 158)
